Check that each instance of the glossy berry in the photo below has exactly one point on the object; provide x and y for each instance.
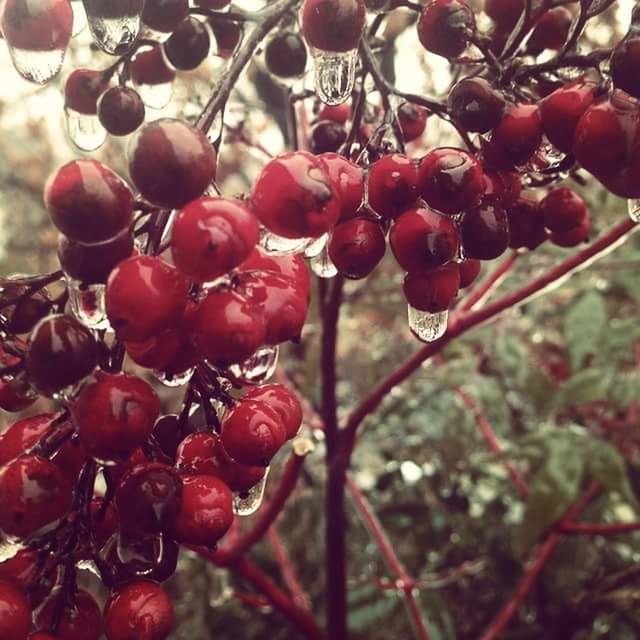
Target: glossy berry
(13, 398)
(206, 512)
(283, 402)
(504, 13)
(392, 185)
(348, 182)
(81, 620)
(476, 105)
(164, 15)
(82, 90)
(44, 26)
(285, 55)
(432, 290)
(226, 328)
(21, 569)
(211, 236)
(103, 521)
(469, 269)
(23, 314)
(562, 210)
(292, 267)
(121, 111)
(88, 202)
(61, 352)
(227, 36)
(145, 295)
(148, 498)
(422, 238)
(336, 112)
(33, 493)
(503, 186)
(149, 67)
(188, 45)
(526, 224)
(346, 17)
(171, 162)
(484, 231)
(413, 120)
(443, 27)
(114, 414)
(92, 263)
(573, 237)
(326, 136)
(253, 432)
(356, 247)
(623, 65)
(294, 197)
(516, 138)
(15, 612)
(551, 30)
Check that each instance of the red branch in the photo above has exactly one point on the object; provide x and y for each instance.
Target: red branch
(599, 528)
(493, 280)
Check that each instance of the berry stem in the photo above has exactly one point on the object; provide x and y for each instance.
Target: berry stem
(598, 528)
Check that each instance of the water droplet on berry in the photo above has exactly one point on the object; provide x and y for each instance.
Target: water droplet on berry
(244, 504)
(278, 246)
(9, 548)
(155, 96)
(85, 130)
(88, 565)
(87, 304)
(427, 326)
(259, 367)
(322, 265)
(174, 379)
(116, 29)
(633, 207)
(37, 66)
(316, 246)
(335, 74)
(152, 34)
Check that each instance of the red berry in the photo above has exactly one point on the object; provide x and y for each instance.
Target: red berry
(356, 247)
(346, 17)
(253, 432)
(171, 162)
(145, 296)
(33, 493)
(504, 13)
(206, 512)
(44, 26)
(326, 136)
(23, 314)
(15, 612)
(115, 414)
(450, 180)
(484, 231)
(337, 112)
(166, 432)
(623, 65)
(476, 105)
(283, 402)
(24, 571)
(164, 15)
(80, 621)
(562, 210)
(551, 30)
(149, 66)
(443, 27)
(211, 236)
(13, 397)
(227, 35)
(121, 111)
(526, 224)
(294, 196)
(285, 55)
(392, 185)
(226, 328)
(469, 271)
(188, 45)
(573, 237)
(422, 239)
(88, 202)
(82, 90)
(432, 290)
(169, 352)
(148, 498)
(292, 267)
(413, 120)
(503, 186)
(61, 352)
(348, 182)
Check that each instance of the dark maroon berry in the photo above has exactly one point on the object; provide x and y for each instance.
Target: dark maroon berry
(413, 120)
(393, 185)
(149, 66)
(484, 231)
(551, 30)
(505, 13)
(443, 27)
(188, 45)
(166, 432)
(227, 35)
(469, 270)
(574, 237)
(326, 136)
(286, 55)
(164, 15)
(356, 247)
(526, 224)
(517, 137)
(121, 111)
(15, 612)
(624, 65)
(82, 90)
(346, 17)
(432, 290)
(27, 311)
(81, 619)
(476, 105)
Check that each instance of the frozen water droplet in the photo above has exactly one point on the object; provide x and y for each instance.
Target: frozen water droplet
(114, 24)
(279, 246)
(9, 549)
(219, 588)
(258, 368)
(79, 18)
(174, 379)
(633, 207)
(151, 34)
(335, 74)
(156, 96)
(316, 246)
(88, 304)
(37, 66)
(244, 504)
(85, 130)
(322, 265)
(88, 565)
(427, 326)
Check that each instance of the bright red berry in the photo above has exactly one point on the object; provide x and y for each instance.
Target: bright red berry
(443, 27)
(294, 268)
(356, 247)
(517, 137)
(283, 402)
(337, 112)
(484, 231)
(121, 111)
(15, 612)
(476, 105)
(346, 17)
(348, 182)
(469, 270)
(392, 185)
(432, 290)
(81, 620)
(562, 209)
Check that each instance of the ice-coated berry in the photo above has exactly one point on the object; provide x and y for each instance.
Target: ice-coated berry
(188, 45)
(22, 313)
(81, 619)
(283, 402)
(15, 612)
(623, 65)
(82, 90)
(149, 67)
(551, 30)
(326, 136)
(574, 237)
(294, 268)
(286, 55)
(121, 110)
(413, 120)
(469, 270)
(392, 185)
(164, 15)
(432, 290)
(516, 138)
(476, 105)
(348, 181)
(443, 27)
(526, 224)
(484, 231)
(356, 247)
(562, 209)
(42, 26)
(346, 17)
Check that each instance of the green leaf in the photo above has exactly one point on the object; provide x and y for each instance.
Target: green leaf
(606, 465)
(584, 325)
(585, 386)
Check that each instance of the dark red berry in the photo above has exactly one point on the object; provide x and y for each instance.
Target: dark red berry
(551, 30)
(253, 432)
(502, 186)
(346, 17)
(22, 569)
(61, 352)
(81, 620)
(149, 66)
(339, 113)
(44, 26)
(562, 210)
(227, 35)
(121, 111)
(33, 493)
(13, 398)
(166, 432)
(450, 180)
(145, 296)
(443, 27)
(15, 612)
(469, 270)
(392, 185)
(104, 521)
(348, 182)
(504, 13)
(171, 162)
(82, 90)
(484, 231)
(476, 105)
(23, 314)
(517, 137)
(286, 55)
(294, 197)
(624, 64)
(211, 236)
(326, 136)
(206, 512)
(294, 268)
(88, 202)
(432, 290)
(189, 45)
(413, 120)
(164, 15)
(283, 402)
(526, 224)
(574, 237)
(356, 247)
